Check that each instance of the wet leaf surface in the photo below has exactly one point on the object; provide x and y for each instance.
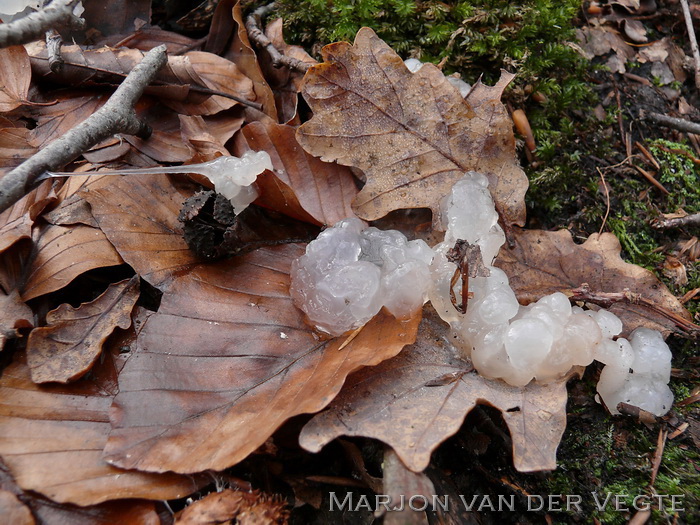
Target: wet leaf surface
(405, 403)
(225, 361)
(412, 134)
(66, 349)
(544, 262)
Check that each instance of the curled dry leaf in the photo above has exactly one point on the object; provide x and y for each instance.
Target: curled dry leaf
(407, 403)
(412, 134)
(66, 349)
(302, 186)
(542, 262)
(234, 506)
(60, 254)
(16, 222)
(110, 66)
(139, 217)
(225, 361)
(15, 77)
(53, 436)
(13, 510)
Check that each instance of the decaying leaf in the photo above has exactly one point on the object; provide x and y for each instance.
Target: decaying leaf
(14, 314)
(53, 436)
(542, 262)
(234, 506)
(225, 361)
(60, 254)
(16, 222)
(139, 217)
(15, 77)
(13, 510)
(412, 134)
(66, 349)
(406, 403)
(302, 186)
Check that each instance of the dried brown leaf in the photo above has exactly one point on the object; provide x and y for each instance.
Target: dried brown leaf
(412, 134)
(399, 481)
(15, 147)
(53, 436)
(110, 66)
(394, 403)
(15, 77)
(225, 361)
(13, 511)
(16, 222)
(139, 217)
(302, 186)
(60, 254)
(285, 82)
(66, 349)
(543, 262)
(57, 119)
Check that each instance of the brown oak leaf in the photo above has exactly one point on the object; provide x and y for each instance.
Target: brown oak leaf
(418, 399)
(412, 134)
(66, 349)
(543, 262)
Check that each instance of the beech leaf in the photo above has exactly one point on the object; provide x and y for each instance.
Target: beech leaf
(16, 222)
(66, 349)
(53, 436)
(407, 403)
(13, 510)
(15, 77)
(412, 134)
(302, 186)
(60, 254)
(139, 216)
(542, 262)
(225, 361)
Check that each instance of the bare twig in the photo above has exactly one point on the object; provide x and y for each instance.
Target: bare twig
(57, 15)
(53, 49)
(678, 222)
(116, 116)
(672, 122)
(607, 299)
(252, 25)
(649, 177)
(693, 40)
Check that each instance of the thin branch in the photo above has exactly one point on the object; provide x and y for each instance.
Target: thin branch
(116, 116)
(678, 222)
(57, 15)
(693, 40)
(607, 299)
(672, 122)
(252, 25)
(53, 50)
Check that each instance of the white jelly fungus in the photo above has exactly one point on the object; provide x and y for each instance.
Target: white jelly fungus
(351, 271)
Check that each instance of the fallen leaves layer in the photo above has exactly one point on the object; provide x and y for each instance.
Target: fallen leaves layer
(139, 217)
(542, 262)
(53, 437)
(60, 254)
(418, 399)
(302, 186)
(15, 77)
(16, 222)
(412, 134)
(225, 361)
(65, 350)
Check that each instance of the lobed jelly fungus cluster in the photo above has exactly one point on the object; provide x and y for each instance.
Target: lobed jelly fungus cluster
(351, 271)
(233, 177)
